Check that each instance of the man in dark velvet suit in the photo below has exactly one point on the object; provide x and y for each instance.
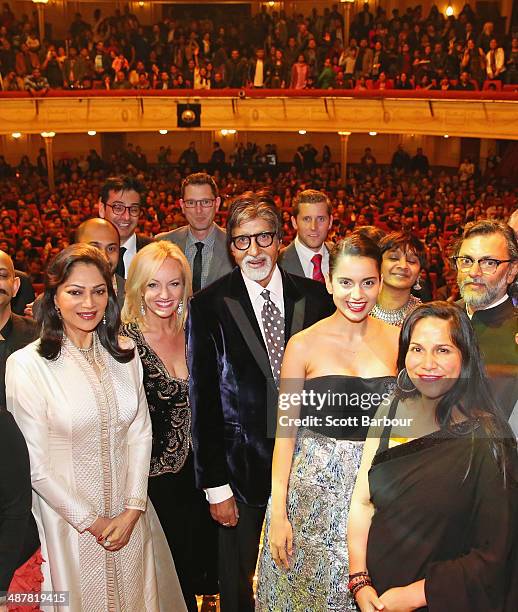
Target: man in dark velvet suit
(237, 330)
(487, 264)
(120, 203)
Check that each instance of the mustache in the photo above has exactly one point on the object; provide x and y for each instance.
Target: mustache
(467, 281)
(249, 258)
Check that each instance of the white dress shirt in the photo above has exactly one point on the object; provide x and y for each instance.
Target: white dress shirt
(305, 254)
(131, 250)
(216, 495)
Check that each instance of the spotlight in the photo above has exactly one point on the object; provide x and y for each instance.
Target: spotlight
(225, 132)
(373, 133)
(91, 132)
(446, 136)
(16, 135)
(188, 115)
(141, 4)
(344, 133)
(302, 132)
(449, 10)
(48, 134)
(163, 132)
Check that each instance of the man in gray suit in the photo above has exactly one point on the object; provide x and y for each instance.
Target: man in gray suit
(203, 242)
(308, 254)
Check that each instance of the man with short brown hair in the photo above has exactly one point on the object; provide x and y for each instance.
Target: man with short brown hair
(308, 254)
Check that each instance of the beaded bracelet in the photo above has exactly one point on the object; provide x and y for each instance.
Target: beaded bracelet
(351, 576)
(357, 587)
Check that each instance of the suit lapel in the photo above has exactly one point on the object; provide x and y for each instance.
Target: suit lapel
(218, 256)
(293, 258)
(294, 307)
(242, 312)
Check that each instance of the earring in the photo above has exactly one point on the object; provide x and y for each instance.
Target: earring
(417, 286)
(179, 310)
(104, 319)
(142, 306)
(58, 312)
(400, 386)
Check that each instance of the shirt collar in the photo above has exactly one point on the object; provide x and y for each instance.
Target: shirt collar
(208, 240)
(302, 249)
(131, 244)
(274, 287)
(500, 301)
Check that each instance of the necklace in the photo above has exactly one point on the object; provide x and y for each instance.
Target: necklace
(395, 317)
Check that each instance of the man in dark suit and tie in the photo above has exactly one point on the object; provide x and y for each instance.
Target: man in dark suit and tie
(120, 203)
(237, 331)
(203, 242)
(308, 254)
(486, 259)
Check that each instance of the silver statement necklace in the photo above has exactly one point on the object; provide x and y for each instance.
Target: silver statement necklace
(395, 317)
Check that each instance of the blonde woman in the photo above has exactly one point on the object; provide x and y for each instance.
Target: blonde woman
(155, 309)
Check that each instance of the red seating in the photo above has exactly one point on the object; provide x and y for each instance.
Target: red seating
(497, 84)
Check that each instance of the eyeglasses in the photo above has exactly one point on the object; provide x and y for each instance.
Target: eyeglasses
(202, 203)
(487, 265)
(120, 209)
(264, 239)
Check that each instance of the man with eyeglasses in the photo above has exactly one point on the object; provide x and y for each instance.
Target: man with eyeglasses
(203, 242)
(236, 334)
(120, 203)
(486, 260)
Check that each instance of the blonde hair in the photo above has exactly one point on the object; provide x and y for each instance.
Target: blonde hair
(142, 269)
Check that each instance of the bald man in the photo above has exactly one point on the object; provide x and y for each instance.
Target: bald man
(15, 331)
(102, 234)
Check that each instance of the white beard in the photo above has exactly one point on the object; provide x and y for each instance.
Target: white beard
(252, 273)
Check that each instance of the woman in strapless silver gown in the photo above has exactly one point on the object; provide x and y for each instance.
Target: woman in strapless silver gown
(349, 356)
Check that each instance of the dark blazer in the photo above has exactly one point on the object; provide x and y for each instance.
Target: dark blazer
(289, 259)
(495, 329)
(17, 333)
(18, 532)
(230, 378)
(221, 262)
(25, 293)
(142, 241)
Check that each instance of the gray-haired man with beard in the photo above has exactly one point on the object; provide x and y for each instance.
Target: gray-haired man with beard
(486, 259)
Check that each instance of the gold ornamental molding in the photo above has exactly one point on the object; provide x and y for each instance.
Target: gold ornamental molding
(482, 117)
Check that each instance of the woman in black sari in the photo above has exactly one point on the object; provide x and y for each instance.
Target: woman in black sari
(433, 519)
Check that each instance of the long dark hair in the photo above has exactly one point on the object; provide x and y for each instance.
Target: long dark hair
(471, 393)
(58, 271)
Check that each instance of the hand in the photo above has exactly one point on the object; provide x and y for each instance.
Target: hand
(397, 600)
(27, 312)
(225, 513)
(96, 528)
(281, 540)
(368, 600)
(119, 529)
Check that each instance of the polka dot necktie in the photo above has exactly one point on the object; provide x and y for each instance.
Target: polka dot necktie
(273, 325)
(316, 260)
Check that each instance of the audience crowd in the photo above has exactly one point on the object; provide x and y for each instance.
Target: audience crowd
(402, 50)
(408, 194)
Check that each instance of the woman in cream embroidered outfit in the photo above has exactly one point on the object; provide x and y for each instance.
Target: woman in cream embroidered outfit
(77, 395)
